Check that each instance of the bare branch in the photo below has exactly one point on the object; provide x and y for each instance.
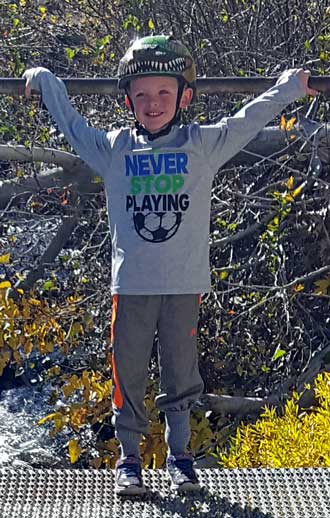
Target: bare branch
(232, 404)
(56, 245)
(39, 154)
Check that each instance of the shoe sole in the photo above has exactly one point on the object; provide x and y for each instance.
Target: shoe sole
(187, 487)
(130, 491)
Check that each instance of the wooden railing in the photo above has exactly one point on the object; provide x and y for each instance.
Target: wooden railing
(210, 85)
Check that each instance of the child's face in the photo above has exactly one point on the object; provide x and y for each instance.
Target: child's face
(154, 99)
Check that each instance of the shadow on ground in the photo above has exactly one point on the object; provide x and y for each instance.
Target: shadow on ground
(201, 505)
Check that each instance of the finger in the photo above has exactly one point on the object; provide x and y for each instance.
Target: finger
(27, 91)
(309, 90)
(312, 92)
(304, 76)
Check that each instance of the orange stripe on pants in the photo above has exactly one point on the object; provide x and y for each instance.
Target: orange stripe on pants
(117, 395)
(114, 316)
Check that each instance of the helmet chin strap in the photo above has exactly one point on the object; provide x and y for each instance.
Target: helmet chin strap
(165, 131)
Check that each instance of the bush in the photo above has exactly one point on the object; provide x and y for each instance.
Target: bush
(297, 439)
(33, 324)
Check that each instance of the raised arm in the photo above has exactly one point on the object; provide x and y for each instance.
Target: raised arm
(225, 139)
(90, 144)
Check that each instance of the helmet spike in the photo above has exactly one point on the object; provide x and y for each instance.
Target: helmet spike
(157, 53)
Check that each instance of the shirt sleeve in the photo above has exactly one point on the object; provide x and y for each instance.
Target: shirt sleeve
(225, 139)
(92, 145)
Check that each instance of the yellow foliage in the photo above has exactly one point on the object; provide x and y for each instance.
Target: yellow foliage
(60, 421)
(4, 360)
(35, 302)
(78, 416)
(74, 450)
(287, 125)
(73, 384)
(153, 448)
(322, 286)
(290, 183)
(94, 390)
(5, 285)
(201, 433)
(291, 196)
(91, 384)
(297, 439)
(4, 259)
(30, 323)
(283, 123)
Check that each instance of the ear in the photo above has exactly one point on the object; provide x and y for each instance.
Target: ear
(128, 103)
(186, 97)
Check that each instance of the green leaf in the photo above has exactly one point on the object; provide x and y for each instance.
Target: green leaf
(43, 12)
(102, 42)
(133, 21)
(307, 45)
(76, 330)
(278, 354)
(239, 370)
(70, 53)
(151, 25)
(48, 285)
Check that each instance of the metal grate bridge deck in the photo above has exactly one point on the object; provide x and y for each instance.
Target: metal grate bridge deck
(245, 493)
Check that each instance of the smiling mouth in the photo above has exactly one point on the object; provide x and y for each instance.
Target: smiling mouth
(154, 114)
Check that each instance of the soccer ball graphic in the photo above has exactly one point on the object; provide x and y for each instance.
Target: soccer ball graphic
(157, 227)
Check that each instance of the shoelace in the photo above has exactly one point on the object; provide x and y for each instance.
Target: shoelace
(185, 466)
(131, 470)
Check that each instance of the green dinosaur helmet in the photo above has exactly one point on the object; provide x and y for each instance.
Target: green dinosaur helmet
(157, 55)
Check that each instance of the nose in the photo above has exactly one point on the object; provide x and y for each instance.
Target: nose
(153, 101)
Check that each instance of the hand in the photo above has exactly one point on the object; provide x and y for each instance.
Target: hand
(304, 76)
(28, 75)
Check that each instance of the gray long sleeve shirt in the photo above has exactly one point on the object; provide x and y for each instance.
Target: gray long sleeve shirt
(158, 192)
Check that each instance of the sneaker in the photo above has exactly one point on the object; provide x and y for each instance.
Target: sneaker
(182, 474)
(128, 478)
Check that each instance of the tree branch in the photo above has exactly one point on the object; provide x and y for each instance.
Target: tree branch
(62, 235)
(232, 404)
(240, 405)
(268, 144)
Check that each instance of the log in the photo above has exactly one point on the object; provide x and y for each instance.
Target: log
(234, 405)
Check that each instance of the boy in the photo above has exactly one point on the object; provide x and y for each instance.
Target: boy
(158, 179)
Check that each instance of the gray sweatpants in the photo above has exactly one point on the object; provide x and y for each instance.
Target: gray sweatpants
(135, 319)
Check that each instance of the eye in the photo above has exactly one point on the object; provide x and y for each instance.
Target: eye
(138, 94)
